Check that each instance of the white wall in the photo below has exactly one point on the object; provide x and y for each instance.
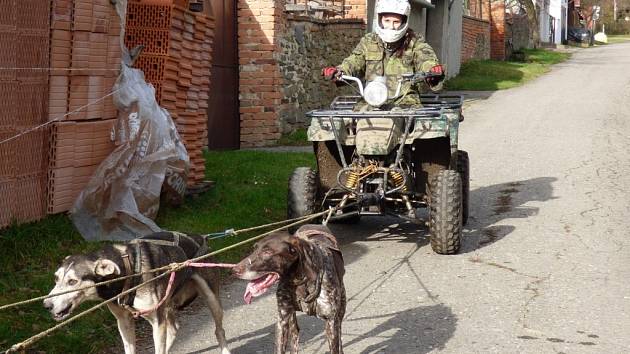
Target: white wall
(454, 39)
(551, 9)
(555, 11)
(543, 20)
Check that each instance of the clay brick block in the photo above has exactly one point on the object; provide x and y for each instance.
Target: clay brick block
(32, 99)
(8, 106)
(31, 152)
(156, 41)
(61, 15)
(148, 16)
(33, 16)
(8, 43)
(7, 201)
(8, 15)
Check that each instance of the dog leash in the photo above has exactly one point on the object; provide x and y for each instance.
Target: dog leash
(26, 343)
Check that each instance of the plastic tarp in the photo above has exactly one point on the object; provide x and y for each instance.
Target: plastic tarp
(123, 196)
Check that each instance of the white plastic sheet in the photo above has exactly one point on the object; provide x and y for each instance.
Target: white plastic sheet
(123, 196)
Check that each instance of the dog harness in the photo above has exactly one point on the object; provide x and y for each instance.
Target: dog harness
(126, 301)
(311, 297)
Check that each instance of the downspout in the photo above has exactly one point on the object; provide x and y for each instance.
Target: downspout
(425, 3)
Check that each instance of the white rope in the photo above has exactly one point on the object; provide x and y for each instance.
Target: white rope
(60, 69)
(58, 118)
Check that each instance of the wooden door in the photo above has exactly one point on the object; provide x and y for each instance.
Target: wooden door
(223, 112)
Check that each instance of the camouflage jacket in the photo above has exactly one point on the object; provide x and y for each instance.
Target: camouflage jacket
(370, 59)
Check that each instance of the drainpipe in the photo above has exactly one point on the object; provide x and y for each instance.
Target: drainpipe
(425, 3)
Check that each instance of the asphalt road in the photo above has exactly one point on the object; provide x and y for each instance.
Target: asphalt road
(545, 261)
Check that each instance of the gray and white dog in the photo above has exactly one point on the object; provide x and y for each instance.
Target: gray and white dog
(118, 260)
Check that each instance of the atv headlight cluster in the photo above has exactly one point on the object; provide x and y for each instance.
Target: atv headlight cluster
(375, 93)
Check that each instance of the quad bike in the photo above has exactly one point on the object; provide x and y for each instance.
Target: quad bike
(379, 159)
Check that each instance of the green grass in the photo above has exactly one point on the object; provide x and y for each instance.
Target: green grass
(250, 190)
(297, 137)
(618, 38)
(491, 75)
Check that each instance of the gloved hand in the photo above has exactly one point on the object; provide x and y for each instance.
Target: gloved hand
(438, 71)
(331, 73)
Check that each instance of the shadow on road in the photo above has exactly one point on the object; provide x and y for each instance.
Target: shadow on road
(493, 204)
(419, 330)
(488, 206)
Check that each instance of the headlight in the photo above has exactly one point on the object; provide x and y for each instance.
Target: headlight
(375, 93)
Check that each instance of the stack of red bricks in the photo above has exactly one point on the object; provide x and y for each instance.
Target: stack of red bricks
(176, 60)
(78, 147)
(85, 61)
(23, 106)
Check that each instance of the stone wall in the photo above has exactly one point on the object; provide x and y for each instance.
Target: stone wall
(475, 39)
(517, 30)
(306, 47)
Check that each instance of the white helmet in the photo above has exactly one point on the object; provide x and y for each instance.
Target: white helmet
(400, 7)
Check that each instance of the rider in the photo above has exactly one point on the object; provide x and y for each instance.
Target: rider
(391, 50)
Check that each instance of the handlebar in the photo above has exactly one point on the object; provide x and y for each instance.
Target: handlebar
(409, 77)
(355, 79)
(421, 76)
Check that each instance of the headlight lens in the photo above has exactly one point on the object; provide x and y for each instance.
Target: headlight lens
(375, 93)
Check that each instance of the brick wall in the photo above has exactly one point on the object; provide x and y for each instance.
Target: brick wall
(259, 25)
(306, 47)
(355, 9)
(475, 39)
(485, 9)
(475, 8)
(497, 29)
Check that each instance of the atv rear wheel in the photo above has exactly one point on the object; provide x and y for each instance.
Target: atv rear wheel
(302, 195)
(445, 212)
(463, 167)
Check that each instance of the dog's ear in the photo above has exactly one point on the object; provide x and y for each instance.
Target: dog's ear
(105, 267)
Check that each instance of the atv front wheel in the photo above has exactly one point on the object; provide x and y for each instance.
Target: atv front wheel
(302, 196)
(445, 212)
(463, 167)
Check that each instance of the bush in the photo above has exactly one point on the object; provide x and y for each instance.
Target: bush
(619, 27)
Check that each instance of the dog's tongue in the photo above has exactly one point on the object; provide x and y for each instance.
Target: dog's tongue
(259, 286)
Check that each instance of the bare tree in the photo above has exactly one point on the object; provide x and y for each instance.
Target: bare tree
(529, 7)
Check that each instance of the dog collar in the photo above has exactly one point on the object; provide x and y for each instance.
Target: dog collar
(126, 300)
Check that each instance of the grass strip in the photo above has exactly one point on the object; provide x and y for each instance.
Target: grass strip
(618, 38)
(492, 75)
(297, 137)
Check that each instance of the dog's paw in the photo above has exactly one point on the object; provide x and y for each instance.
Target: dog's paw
(225, 351)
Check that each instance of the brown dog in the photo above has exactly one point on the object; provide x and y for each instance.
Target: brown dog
(308, 267)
